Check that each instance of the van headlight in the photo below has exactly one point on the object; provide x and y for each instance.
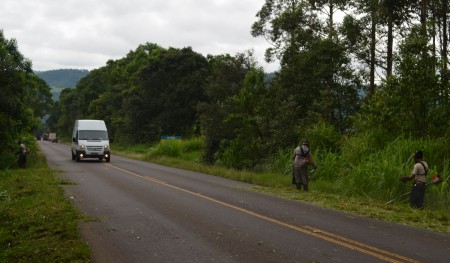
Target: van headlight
(82, 146)
(106, 147)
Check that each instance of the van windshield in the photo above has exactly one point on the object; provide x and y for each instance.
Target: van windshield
(92, 135)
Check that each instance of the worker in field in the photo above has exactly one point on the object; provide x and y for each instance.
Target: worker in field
(418, 174)
(23, 152)
(302, 158)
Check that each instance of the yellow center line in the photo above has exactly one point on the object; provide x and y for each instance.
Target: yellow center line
(330, 237)
(360, 244)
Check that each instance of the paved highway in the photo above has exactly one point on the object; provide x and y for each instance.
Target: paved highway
(143, 212)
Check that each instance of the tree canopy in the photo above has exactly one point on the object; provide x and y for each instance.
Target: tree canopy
(24, 100)
(383, 66)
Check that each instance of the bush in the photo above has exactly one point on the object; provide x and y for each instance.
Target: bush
(188, 149)
(323, 135)
(170, 148)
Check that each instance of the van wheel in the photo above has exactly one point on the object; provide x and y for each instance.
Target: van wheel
(73, 155)
(107, 159)
(77, 158)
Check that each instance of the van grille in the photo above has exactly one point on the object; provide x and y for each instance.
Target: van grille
(94, 148)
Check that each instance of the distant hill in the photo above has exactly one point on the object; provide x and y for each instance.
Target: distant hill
(60, 79)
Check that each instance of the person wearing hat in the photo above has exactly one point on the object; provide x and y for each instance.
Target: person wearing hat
(418, 174)
(302, 158)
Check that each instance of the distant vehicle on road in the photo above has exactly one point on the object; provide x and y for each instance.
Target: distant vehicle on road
(52, 137)
(90, 140)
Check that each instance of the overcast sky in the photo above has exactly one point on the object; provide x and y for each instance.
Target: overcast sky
(84, 34)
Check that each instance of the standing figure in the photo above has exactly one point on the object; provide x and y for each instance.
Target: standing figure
(302, 158)
(23, 152)
(418, 174)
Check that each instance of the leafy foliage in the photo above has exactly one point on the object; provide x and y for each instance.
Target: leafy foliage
(326, 89)
(24, 99)
(226, 78)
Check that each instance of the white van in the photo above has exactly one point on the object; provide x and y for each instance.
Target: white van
(90, 140)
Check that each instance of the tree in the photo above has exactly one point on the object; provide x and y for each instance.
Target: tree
(338, 87)
(24, 98)
(367, 54)
(69, 110)
(165, 101)
(330, 7)
(315, 78)
(245, 148)
(409, 103)
(227, 74)
(288, 26)
(37, 96)
(394, 13)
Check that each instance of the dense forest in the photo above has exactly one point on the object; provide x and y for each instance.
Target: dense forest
(370, 86)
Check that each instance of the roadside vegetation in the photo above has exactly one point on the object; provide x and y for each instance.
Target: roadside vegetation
(367, 91)
(369, 187)
(37, 223)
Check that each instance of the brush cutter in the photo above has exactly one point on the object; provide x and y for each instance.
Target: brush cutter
(390, 201)
(436, 179)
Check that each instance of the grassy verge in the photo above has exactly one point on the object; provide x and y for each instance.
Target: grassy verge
(37, 224)
(322, 192)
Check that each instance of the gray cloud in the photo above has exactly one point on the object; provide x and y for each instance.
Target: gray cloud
(85, 33)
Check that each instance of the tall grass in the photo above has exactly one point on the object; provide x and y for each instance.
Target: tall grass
(374, 172)
(189, 150)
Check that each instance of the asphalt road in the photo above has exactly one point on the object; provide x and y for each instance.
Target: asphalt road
(145, 212)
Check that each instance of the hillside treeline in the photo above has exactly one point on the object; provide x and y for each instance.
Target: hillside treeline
(62, 78)
(24, 100)
(381, 70)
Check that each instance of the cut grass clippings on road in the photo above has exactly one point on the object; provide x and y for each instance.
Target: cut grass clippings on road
(37, 224)
(398, 213)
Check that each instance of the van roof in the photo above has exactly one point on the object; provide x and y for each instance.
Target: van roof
(91, 125)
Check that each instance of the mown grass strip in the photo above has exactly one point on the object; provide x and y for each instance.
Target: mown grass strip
(37, 224)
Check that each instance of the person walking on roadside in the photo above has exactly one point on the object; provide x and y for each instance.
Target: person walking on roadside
(418, 174)
(302, 158)
(23, 152)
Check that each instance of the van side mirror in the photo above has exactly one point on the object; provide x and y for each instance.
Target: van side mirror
(74, 140)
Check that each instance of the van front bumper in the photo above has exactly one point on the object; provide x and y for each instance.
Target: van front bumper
(83, 154)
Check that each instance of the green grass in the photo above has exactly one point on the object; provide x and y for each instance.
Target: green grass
(37, 224)
(369, 187)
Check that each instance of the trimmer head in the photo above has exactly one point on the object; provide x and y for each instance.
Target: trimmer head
(436, 179)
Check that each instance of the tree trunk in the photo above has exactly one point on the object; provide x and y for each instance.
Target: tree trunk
(389, 47)
(330, 20)
(372, 49)
(423, 16)
(444, 54)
